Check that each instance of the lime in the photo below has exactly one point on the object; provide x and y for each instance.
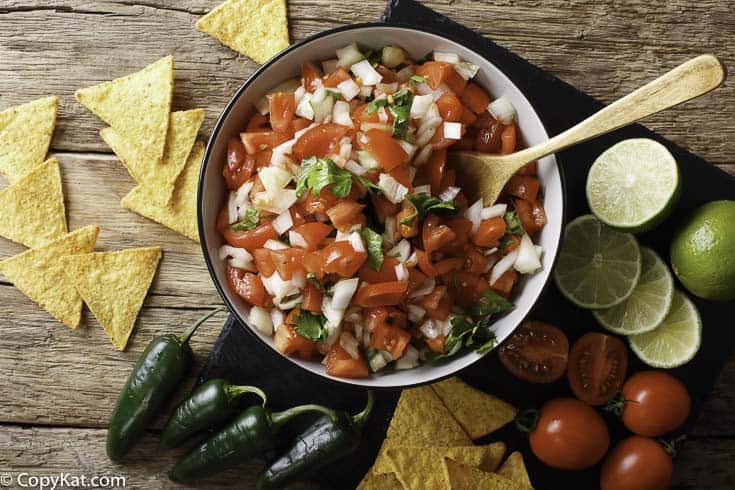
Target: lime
(633, 185)
(703, 251)
(598, 267)
(649, 304)
(676, 341)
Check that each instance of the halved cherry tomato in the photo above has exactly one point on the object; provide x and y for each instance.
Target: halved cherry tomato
(281, 106)
(475, 98)
(312, 299)
(250, 239)
(346, 214)
(262, 140)
(390, 339)
(319, 141)
(596, 368)
(450, 108)
(435, 235)
(637, 463)
(342, 365)
(290, 343)
(655, 403)
(523, 187)
(569, 435)
(386, 273)
(311, 76)
(386, 150)
(532, 215)
(490, 232)
(341, 259)
(381, 294)
(239, 166)
(508, 139)
(248, 286)
(313, 233)
(536, 352)
(336, 77)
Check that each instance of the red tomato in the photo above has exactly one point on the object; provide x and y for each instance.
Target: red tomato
(435, 235)
(288, 262)
(462, 228)
(341, 364)
(637, 463)
(290, 343)
(386, 273)
(248, 286)
(390, 339)
(436, 72)
(264, 262)
(488, 139)
(383, 207)
(569, 435)
(523, 187)
(655, 403)
(313, 233)
(532, 215)
(341, 259)
(508, 139)
(467, 287)
(475, 98)
(258, 122)
(346, 214)
(536, 352)
(381, 294)
(432, 172)
(239, 166)
(468, 119)
(310, 76)
(336, 77)
(490, 232)
(257, 141)
(424, 263)
(448, 265)
(250, 239)
(475, 261)
(450, 108)
(319, 141)
(281, 107)
(437, 303)
(504, 284)
(597, 367)
(312, 299)
(385, 149)
(318, 204)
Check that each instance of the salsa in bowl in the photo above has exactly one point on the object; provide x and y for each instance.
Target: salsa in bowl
(342, 236)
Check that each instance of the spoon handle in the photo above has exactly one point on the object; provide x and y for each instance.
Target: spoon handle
(687, 81)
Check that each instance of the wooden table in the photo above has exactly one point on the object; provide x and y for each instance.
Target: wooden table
(58, 386)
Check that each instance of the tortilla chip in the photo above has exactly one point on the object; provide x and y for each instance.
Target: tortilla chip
(420, 469)
(114, 286)
(25, 135)
(463, 477)
(514, 469)
(159, 176)
(33, 207)
(494, 453)
(478, 413)
(181, 213)
(136, 106)
(256, 28)
(39, 274)
(387, 481)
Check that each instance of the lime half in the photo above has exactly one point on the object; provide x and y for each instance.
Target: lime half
(649, 304)
(676, 341)
(633, 185)
(598, 267)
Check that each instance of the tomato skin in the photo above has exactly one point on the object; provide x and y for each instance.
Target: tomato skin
(532, 215)
(569, 435)
(345, 214)
(319, 140)
(435, 72)
(239, 166)
(257, 141)
(390, 339)
(504, 284)
(250, 239)
(433, 172)
(281, 107)
(490, 232)
(386, 273)
(341, 259)
(341, 364)
(312, 299)
(435, 235)
(655, 403)
(536, 352)
(597, 367)
(508, 139)
(248, 286)
(475, 98)
(290, 343)
(310, 76)
(336, 77)
(385, 149)
(313, 233)
(381, 294)
(488, 139)
(450, 108)
(637, 463)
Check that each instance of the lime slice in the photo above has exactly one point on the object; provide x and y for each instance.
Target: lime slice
(633, 185)
(598, 267)
(649, 304)
(676, 341)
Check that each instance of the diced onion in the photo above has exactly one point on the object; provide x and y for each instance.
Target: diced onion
(412, 260)
(261, 320)
(449, 194)
(444, 325)
(366, 91)
(328, 66)
(297, 239)
(349, 89)
(473, 214)
(349, 344)
(452, 130)
(354, 238)
(355, 167)
(466, 70)
(503, 266)
(365, 71)
(384, 127)
(502, 110)
(242, 195)
(527, 261)
(345, 148)
(232, 208)
(408, 148)
(405, 74)
(412, 173)
(415, 313)
(334, 315)
(393, 190)
(423, 89)
(390, 230)
(349, 55)
(392, 56)
(426, 286)
(262, 106)
(237, 257)
(425, 134)
(271, 244)
(322, 104)
(382, 115)
(493, 211)
(441, 90)
(277, 317)
(410, 358)
(430, 329)
(452, 58)
(386, 88)
(420, 105)
(275, 203)
(341, 114)
(283, 222)
(401, 272)
(343, 292)
(402, 250)
(304, 109)
(423, 156)
(298, 94)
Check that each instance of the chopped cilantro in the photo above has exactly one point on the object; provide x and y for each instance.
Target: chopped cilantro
(374, 57)
(377, 104)
(505, 242)
(311, 326)
(399, 104)
(369, 185)
(427, 57)
(248, 222)
(316, 173)
(489, 304)
(465, 333)
(374, 243)
(416, 79)
(424, 204)
(513, 223)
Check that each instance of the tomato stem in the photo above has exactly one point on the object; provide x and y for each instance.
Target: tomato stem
(671, 447)
(526, 420)
(616, 405)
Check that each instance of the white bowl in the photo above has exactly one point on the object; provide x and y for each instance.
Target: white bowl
(322, 46)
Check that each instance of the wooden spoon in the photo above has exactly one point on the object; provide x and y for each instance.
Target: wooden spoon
(487, 174)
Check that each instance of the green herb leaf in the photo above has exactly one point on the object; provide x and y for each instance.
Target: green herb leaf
(248, 222)
(374, 245)
(316, 173)
(408, 220)
(461, 328)
(400, 120)
(425, 204)
(377, 104)
(374, 57)
(481, 339)
(369, 185)
(505, 242)
(513, 223)
(427, 57)
(416, 79)
(489, 304)
(311, 326)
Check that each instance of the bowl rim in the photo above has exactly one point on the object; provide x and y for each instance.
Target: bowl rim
(233, 311)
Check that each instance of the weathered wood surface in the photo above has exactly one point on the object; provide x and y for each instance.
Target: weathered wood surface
(59, 385)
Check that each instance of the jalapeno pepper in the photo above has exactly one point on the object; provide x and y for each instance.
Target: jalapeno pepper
(209, 405)
(154, 379)
(250, 434)
(325, 441)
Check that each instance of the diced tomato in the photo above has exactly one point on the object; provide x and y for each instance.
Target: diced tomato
(346, 214)
(436, 72)
(264, 261)
(263, 158)
(488, 140)
(489, 233)
(385, 149)
(475, 98)
(449, 180)
(250, 239)
(432, 172)
(288, 262)
(467, 142)
(504, 284)
(381, 294)
(383, 207)
(390, 339)
(448, 265)
(531, 215)
(530, 169)
(239, 166)
(435, 235)
(258, 122)
(386, 273)
(462, 228)
(436, 344)
(408, 230)
(450, 108)
(437, 303)
(313, 233)
(261, 140)
(336, 77)
(514, 241)
(455, 82)
(298, 124)
(467, 287)
(318, 204)
(319, 141)
(361, 115)
(342, 365)
(522, 186)
(403, 175)
(281, 106)
(424, 263)
(415, 278)
(248, 286)
(439, 142)
(313, 264)
(388, 75)
(312, 299)
(475, 261)
(508, 139)
(311, 76)
(384, 316)
(341, 259)
(290, 343)
(468, 118)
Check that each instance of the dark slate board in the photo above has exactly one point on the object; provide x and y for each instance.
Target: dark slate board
(241, 359)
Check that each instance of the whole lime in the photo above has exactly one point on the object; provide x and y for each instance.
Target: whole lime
(703, 251)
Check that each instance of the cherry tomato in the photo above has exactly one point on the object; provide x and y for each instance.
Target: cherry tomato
(637, 463)
(597, 366)
(536, 352)
(569, 435)
(655, 403)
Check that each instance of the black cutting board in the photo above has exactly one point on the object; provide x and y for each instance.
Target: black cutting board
(238, 357)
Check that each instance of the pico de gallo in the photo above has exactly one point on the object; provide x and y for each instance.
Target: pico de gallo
(345, 229)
